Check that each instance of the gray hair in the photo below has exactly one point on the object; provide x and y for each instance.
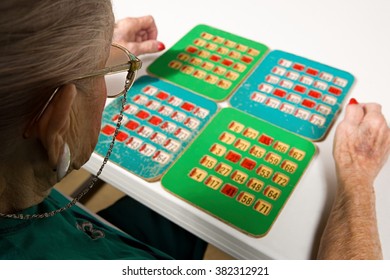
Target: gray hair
(43, 44)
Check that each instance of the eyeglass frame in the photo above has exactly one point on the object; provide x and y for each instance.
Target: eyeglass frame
(132, 66)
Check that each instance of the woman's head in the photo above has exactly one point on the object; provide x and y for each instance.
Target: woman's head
(45, 44)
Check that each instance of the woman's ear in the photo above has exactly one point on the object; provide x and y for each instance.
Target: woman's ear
(54, 123)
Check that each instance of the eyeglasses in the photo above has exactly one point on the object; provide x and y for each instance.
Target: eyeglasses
(119, 61)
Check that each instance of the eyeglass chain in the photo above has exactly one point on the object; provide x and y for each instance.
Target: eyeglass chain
(94, 178)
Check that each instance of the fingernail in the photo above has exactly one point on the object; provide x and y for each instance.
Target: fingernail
(353, 101)
(160, 46)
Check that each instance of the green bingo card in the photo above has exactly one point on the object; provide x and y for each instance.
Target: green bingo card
(209, 61)
(241, 170)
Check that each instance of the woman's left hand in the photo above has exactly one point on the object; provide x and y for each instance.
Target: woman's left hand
(138, 35)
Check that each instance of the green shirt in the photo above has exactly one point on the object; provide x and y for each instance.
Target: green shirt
(72, 234)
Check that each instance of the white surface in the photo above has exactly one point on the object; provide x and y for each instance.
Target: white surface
(350, 35)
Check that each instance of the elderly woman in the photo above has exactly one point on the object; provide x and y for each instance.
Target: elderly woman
(53, 57)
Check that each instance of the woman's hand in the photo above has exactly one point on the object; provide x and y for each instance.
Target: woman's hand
(362, 143)
(361, 148)
(138, 35)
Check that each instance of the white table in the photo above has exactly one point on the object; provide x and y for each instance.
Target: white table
(351, 35)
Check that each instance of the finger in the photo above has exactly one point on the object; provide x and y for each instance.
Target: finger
(388, 141)
(372, 108)
(150, 46)
(354, 114)
(148, 24)
(141, 36)
(353, 101)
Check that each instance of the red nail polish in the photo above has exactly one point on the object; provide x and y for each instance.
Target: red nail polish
(353, 101)
(160, 46)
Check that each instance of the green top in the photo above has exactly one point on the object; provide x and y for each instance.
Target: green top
(72, 234)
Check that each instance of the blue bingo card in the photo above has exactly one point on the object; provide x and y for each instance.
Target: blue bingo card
(295, 93)
(159, 121)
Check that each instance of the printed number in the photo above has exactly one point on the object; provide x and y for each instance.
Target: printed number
(149, 90)
(178, 116)
(213, 182)
(257, 151)
(172, 145)
(187, 69)
(161, 157)
(263, 207)
(218, 150)
(191, 123)
(281, 147)
(280, 179)
(325, 110)
(206, 35)
(245, 198)
(271, 193)
(183, 56)
(208, 162)
(302, 114)
(239, 67)
(218, 39)
(147, 150)
(297, 154)
(175, 64)
(198, 174)
(242, 145)
(289, 166)
(287, 108)
(273, 158)
(227, 138)
(264, 171)
(236, 127)
(250, 133)
(201, 113)
(317, 120)
(219, 70)
(239, 177)
(223, 169)
(273, 103)
(134, 143)
(255, 185)
(182, 134)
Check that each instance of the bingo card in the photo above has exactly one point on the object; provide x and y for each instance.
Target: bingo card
(209, 61)
(295, 93)
(241, 170)
(159, 121)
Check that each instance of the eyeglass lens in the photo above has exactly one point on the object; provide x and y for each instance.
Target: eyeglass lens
(115, 82)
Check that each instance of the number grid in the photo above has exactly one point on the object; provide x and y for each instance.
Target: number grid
(295, 93)
(209, 61)
(160, 120)
(241, 170)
